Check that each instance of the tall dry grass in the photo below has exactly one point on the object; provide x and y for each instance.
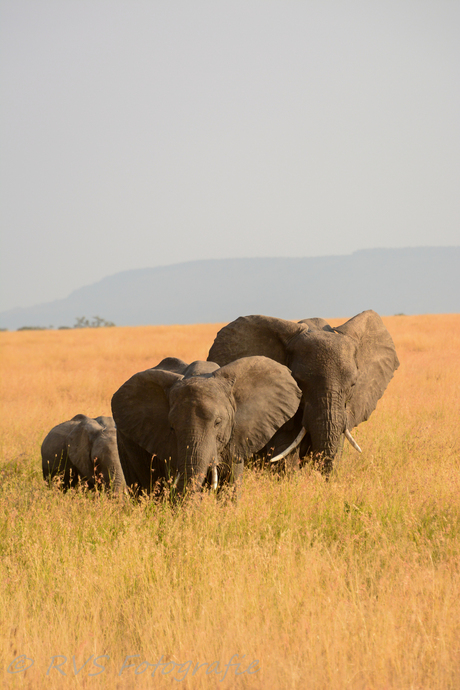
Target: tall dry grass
(351, 583)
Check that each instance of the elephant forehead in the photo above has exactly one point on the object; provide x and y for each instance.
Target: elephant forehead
(322, 352)
(105, 439)
(108, 435)
(206, 392)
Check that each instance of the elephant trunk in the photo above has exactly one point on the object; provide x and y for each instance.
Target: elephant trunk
(118, 483)
(112, 475)
(196, 456)
(105, 461)
(326, 427)
(325, 444)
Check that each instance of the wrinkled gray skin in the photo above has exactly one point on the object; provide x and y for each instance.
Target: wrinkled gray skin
(83, 449)
(184, 419)
(342, 373)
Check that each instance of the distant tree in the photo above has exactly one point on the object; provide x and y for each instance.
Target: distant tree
(82, 322)
(105, 324)
(33, 328)
(97, 322)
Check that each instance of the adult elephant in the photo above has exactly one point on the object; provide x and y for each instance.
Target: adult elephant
(83, 449)
(189, 423)
(341, 371)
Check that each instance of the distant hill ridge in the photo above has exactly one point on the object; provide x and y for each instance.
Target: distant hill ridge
(416, 280)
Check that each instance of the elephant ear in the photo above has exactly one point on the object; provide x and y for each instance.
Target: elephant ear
(79, 446)
(376, 359)
(140, 408)
(253, 335)
(265, 397)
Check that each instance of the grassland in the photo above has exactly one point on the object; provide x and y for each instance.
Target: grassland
(352, 583)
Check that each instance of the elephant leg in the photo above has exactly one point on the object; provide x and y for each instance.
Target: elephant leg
(141, 471)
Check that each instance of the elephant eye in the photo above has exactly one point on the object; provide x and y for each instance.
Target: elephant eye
(350, 393)
(217, 421)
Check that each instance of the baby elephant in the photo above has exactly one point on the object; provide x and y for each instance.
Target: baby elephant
(84, 449)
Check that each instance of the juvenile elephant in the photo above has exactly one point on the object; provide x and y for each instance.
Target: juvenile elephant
(342, 373)
(198, 421)
(83, 449)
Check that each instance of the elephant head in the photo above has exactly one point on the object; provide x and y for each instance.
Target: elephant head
(342, 372)
(185, 421)
(86, 449)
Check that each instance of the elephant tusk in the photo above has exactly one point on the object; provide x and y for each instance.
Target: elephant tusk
(293, 445)
(352, 441)
(215, 478)
(176, 480)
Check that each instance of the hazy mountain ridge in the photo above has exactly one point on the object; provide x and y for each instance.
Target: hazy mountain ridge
(419, 280)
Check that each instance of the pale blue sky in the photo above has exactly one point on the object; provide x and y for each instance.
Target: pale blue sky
(139, 133)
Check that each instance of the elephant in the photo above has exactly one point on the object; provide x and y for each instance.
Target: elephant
(83, 449)
(198, 423)
(342, 373)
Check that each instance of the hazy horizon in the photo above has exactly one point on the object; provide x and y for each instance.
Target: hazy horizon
(227, 258)
(407, 280)
(139, 134)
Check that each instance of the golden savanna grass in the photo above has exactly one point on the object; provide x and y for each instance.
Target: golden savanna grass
(351, 583)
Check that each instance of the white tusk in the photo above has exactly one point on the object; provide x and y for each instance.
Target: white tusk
(176, 481)
(215, 478)
(293, 445)
(352, 441)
